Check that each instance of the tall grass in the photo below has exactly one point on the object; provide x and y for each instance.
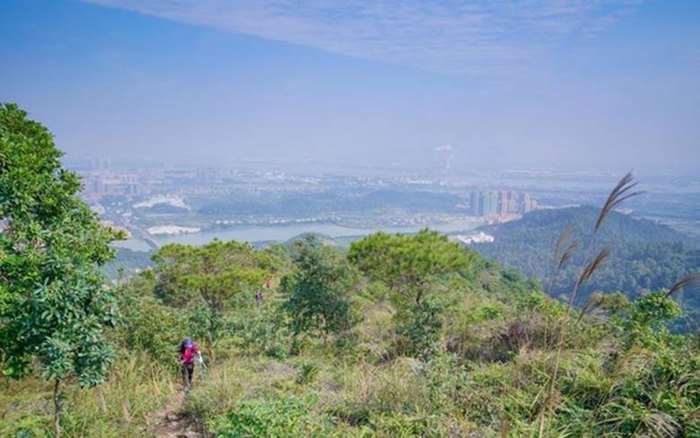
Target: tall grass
(121, 407)
(621, 192)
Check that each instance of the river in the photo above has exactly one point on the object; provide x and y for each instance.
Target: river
(261, 233)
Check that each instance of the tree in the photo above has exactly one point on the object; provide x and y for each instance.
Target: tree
(55, 306)
(208, 278)
(319, 289)
(409, 264)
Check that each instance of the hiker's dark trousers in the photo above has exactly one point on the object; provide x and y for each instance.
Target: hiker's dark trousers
(187, 372)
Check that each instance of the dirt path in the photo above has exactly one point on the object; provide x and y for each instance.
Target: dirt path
(172, 422)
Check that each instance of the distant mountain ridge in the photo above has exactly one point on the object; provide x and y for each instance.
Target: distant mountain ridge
(616, 226)
(645, 255)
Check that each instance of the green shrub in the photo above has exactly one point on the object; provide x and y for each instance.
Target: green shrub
(149, 326)
(281, 417)
(419, 329)
(307, 373)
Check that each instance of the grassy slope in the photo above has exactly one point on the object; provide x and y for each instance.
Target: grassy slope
(488, 380)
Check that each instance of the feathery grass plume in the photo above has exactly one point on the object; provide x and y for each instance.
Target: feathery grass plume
(689, 280)
(620, 193)
(595, 301)
(568, 253)
(564, 236)
(589, 270)
(557, 256)
(560, 258)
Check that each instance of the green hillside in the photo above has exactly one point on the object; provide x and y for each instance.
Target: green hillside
(645, 255)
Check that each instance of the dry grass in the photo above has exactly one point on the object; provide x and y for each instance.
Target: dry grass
(119, 408)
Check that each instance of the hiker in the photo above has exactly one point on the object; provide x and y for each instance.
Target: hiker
(188, 351)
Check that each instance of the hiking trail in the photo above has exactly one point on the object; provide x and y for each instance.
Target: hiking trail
(173, 422)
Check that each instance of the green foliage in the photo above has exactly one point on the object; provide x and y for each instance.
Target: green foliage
(409, 264)
(261, 330)
(419, 329)
(414, 268)
(283, 417)
(148, 326)
(208, 280)
(307, 373)
(319, 290)
(212, 274)
(55, 308)
(646, 255)
(653, 309)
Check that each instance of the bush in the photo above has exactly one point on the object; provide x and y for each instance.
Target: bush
(319, 290)
(419, 330)
(307, 373)
(281, 417)
(261, 330)
(154, 328)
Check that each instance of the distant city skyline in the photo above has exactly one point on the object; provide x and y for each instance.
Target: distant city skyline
(534, 84)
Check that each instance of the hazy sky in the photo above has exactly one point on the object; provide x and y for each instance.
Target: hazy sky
(540, 83)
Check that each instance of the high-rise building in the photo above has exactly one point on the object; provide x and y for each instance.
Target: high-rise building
(492, 203)
(475, 203)
(489, 204)
(527, 203)
(507, 202)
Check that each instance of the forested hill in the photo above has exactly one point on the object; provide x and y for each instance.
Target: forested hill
(644, 254)
(547, 224)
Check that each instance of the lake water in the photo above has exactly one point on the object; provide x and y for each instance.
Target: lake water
(285, 232)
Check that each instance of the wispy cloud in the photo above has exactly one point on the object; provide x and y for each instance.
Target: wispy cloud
(448, 36)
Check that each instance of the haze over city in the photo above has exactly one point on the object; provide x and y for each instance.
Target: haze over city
(546, 83)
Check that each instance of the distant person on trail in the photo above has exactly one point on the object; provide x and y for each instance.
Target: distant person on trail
(188, 351)
(259, 295)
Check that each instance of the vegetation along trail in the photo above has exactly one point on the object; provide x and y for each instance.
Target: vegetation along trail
(173, 422)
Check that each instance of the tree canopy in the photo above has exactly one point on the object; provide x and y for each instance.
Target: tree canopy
(212, 274)
(51, 245)
(408, 264)
(54, 307)
(319, 289)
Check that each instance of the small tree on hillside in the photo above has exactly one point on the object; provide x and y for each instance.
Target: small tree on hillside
(207, 279)
(54, 305)
(411, 266)
(319, 289)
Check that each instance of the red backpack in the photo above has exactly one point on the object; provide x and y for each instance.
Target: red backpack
(189, 353)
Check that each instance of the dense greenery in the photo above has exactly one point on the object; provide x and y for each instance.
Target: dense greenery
(645, 255)
(53, 307)
(415, 269)
(319, 290)
(492, 346)
(400, 336)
